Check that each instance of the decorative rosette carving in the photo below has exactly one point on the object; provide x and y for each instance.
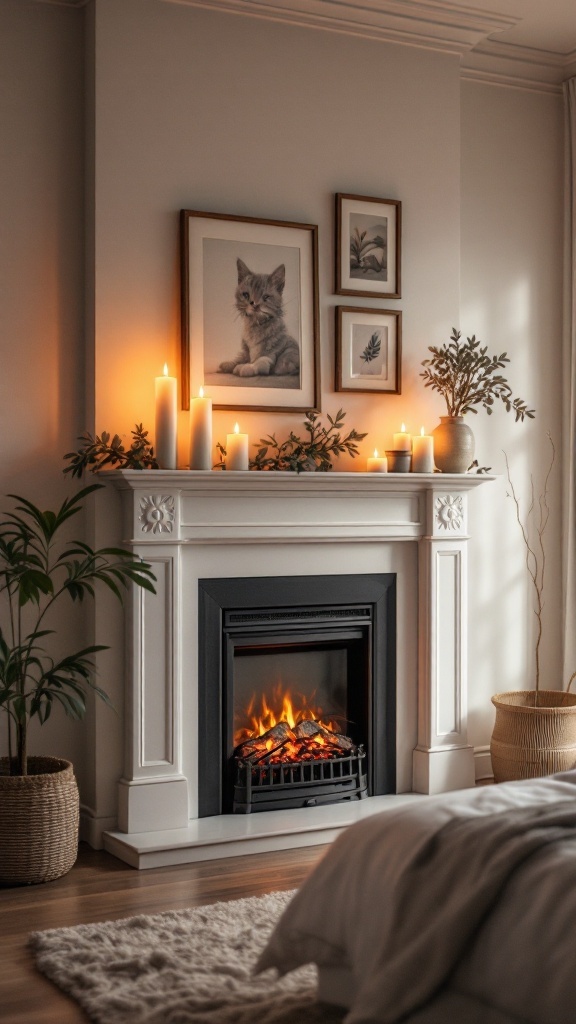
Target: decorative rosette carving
(449, 511)
(157, 513)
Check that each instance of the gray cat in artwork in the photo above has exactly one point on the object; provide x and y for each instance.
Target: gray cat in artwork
(267, 348)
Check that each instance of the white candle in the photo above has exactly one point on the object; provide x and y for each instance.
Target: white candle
(237, 450)
(378, 464)
(166, 421)
(423, 453)
(402, 441)
(201, 432)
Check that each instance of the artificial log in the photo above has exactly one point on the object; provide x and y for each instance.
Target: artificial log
(279, 734)
(308, 729)
(259, 751)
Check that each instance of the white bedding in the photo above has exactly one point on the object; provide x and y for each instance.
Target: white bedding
(469, 897)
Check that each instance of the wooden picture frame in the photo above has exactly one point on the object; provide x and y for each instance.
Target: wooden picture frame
(250, 320)
(368, 350)
(368, 246)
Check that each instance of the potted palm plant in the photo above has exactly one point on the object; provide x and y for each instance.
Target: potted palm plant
(467, 377)
(39, 570)
(534, 730)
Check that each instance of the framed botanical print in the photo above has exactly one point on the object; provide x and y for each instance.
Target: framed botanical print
(368, 350)
(368, 246)
(249, 312)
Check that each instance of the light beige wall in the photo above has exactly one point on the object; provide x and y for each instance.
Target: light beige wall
(41, 277)
(511, 298)
(236, 115)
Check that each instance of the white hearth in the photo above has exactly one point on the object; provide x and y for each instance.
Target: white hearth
(211, 525)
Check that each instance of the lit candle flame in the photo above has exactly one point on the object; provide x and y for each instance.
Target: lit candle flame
(165, 369)
(236, 428)
(403, 428)
(201, 394)
(375, 453)
(421, 431)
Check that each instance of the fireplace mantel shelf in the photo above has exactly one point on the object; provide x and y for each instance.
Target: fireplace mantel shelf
(263, 483)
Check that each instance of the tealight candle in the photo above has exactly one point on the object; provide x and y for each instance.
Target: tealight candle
(201, 432)
(423, 453)
(402, 441)
(237, 450)
(166, 420)
(377, 464)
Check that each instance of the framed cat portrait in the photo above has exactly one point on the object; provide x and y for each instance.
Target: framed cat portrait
(368, 350)
(368, 246)
(250, 334)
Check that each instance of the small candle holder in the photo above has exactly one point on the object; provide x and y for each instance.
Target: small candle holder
(399, 461)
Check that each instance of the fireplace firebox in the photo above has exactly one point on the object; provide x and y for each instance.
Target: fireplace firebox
(297, 691)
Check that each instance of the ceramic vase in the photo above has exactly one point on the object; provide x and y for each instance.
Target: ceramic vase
(453, 445)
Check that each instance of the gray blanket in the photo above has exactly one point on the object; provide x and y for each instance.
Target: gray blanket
(398, 901)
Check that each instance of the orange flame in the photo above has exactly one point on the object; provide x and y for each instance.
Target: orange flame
(281, 706)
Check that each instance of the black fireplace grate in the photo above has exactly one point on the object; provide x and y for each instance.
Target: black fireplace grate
(299, 783)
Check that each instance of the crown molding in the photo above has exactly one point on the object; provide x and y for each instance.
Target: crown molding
(522, 67)
(431, 24)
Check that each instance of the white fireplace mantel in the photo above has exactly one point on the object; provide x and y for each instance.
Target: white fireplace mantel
(193, 525)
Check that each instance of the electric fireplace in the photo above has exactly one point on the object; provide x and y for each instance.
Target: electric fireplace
(194, 526)
(297, 691)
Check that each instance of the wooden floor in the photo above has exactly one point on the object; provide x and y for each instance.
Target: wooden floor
(102, 888)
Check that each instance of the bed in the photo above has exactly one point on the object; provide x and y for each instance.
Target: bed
(457, 909)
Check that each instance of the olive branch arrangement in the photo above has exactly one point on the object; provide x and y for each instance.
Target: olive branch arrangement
(301, 455)
(465, 375)
(102, 450)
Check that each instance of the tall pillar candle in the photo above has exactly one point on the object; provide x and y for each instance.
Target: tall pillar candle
(237, 450)
(166, 421)
(201, 432)
(402, 442)
(423, 453)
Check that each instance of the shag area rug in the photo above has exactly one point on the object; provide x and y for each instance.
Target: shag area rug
(181, 967)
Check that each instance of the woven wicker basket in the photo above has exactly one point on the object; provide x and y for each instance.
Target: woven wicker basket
(38, 821)
(530, 741)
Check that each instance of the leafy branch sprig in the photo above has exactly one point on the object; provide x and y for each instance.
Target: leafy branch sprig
(302, 455)
(467, 376)
(102, 450)
(535, 552)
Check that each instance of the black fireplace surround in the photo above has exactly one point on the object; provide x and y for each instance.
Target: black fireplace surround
(336, 634)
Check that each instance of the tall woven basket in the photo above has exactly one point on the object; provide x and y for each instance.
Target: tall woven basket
(528, 740)
(38, 821)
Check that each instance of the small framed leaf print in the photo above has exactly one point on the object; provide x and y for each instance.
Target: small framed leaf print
(368, 350)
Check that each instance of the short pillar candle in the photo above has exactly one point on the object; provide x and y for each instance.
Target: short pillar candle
(201, 432)
(237, 450)
(402, 442)
(377, 464)
(166, 421)
(423, 453)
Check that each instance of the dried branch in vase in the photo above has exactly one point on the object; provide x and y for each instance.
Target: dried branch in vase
(535, 552)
